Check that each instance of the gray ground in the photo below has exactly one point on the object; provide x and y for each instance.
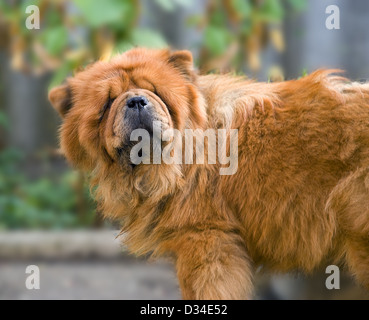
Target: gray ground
(80, 265)
(93, 265)
(90, 280)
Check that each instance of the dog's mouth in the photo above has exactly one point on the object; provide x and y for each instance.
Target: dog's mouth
(139, 127)
(128, 157)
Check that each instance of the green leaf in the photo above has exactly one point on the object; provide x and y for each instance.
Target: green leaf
(147, 38)
(271, 11)
(22, 6)
(122, 46)
(55, 39)
(218, 18)
(243, 7)
(298, 5)
(98, 13)
(4, 122)
(52, 17)
(217, 39)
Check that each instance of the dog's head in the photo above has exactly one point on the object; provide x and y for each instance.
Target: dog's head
(102, 105)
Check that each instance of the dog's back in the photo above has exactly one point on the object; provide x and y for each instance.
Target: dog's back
(301, 190)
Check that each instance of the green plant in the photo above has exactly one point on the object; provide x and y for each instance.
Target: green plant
(73, 33)
(235, 31)
(51, 202)
(3, 120)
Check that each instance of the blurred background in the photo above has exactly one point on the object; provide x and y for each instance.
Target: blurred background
(47, 215)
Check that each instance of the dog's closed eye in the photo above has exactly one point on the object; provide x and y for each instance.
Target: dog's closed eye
(106, 108)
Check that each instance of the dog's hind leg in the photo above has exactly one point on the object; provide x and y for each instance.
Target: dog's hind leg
(350, 202)
(357, 255)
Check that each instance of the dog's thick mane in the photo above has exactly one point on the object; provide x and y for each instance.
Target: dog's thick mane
(140, 199)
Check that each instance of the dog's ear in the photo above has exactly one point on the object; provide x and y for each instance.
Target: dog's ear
(183, 61)
(61, 99)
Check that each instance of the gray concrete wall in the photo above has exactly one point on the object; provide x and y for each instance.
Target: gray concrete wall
(311, 45)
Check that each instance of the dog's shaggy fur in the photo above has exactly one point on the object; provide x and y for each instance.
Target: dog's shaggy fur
(298, 201)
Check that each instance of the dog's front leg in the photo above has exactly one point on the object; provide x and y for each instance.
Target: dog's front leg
(212, 265)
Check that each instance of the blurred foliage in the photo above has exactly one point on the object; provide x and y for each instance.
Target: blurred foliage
(73, 33)
(4, 124)
(43, 203)
(171, 5)
(56, 202)
(236, 31)
(76, 32)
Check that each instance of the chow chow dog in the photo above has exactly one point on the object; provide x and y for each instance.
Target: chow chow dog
(299, 199)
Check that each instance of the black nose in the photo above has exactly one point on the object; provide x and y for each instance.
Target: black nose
(137, 102)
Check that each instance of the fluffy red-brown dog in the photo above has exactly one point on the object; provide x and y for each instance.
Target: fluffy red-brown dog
(298, 201)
